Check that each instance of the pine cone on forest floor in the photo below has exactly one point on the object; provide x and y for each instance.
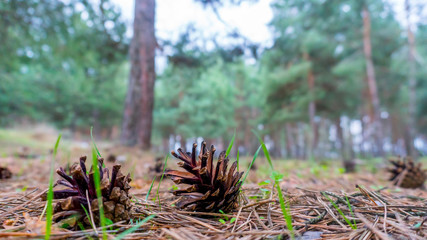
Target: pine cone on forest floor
(80, 192)
(406, 174)
(156, 170)
(5, 173)
(213, 188)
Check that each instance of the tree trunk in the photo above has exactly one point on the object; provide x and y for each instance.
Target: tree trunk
(248, 137)
(372, 84)
(340, 138)
(138, 114)
(183, 141)
(165, 144)
(311, 109)
(275, 135)
(289, 141)
(412, 83)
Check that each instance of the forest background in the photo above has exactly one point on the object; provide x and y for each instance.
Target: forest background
(340, 79)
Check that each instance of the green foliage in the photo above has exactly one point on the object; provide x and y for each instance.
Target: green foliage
(64, 65)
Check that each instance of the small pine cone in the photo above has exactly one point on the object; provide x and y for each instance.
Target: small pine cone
(406, 174)
(80, 191)
(213, 188)
(5, 173)
(156, 170)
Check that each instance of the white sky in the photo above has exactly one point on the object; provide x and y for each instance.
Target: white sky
(173, 16)
(251, 19)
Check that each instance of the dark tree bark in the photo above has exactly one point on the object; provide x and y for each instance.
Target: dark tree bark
(138, 114)
(372, 83)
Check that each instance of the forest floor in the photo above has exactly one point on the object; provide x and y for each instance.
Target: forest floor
(318, 196)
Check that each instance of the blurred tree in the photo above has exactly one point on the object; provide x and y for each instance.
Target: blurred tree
(62, 60)
(138, 113)
(323, 41)
(412, 81)
(371, 79)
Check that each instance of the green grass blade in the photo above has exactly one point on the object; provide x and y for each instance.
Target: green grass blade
(49, 210)
(285, 210)
(88, 216)
(230, 145)
(277, 178)
(250, 165)
(351, 211)
(161, 178)
(93, 142)
(265, 150)
(97, 180)
(149, 190)
(339, 211)
(134, 228)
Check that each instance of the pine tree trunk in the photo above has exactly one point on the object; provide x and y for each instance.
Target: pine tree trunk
(275, 134)
(290, 142)
(340, 138)
(183, 141)
(138, 114)
(372, 84)
(248, 141)
(311, 109)
(412, 83)
(165, 144)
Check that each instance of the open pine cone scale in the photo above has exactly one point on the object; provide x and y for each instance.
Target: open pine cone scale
(213, 188)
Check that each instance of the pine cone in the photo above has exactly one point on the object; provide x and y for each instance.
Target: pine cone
(156, 170)
(5, 173)
(80, 190)
(213, 188)
(405, 173)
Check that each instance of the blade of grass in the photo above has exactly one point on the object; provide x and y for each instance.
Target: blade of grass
(49, 210)
(250, 165)
(93, 142)
(339, 211)
(351, 211)
(277, 177)
(149, 190)
(264, 149)
(161, 178)
(230, 145)
(89, 217)
(134, 228)
(97, 180)
(285, 210)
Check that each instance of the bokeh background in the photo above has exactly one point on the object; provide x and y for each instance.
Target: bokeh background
(334, 79)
